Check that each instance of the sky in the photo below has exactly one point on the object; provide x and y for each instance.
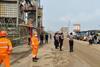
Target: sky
(61, 13)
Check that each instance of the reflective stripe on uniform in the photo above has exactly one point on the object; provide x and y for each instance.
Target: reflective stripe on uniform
(3, 46)
(3, 42)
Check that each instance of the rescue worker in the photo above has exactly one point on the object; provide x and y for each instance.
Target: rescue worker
(5, 49)
(35, 46)
(71, 42)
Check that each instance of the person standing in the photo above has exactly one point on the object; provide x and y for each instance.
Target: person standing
(71, 42)
(5, 49)
(46, 38)
(50, 36)
(35, 46)
(61, 38)
(95, 39)
(41, 38)
(90, 39)
(56, 40)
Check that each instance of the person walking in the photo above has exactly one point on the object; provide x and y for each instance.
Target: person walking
(71, 42)
(61, 38)
(5, 49)
(56, 40)
(35, 46)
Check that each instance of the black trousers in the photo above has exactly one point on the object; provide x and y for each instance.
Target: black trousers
(61, 44)
(56, 43)
(90, 41)
(41, 42)
(71, 45)
(46, 41)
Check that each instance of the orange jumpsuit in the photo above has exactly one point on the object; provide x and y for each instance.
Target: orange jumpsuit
(5, 50)
(35, 45)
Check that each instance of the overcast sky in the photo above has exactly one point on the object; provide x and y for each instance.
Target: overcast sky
(58, 13)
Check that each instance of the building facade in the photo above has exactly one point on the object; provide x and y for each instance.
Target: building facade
(20, 17)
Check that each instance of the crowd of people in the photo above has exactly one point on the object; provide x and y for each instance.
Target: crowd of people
(59, 38)
(94, 39)
(6, 45)
(44, 38)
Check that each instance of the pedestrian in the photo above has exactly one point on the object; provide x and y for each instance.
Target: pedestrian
(90, 39)
(61, 38)
(35, 46)
(71, 42)
(46, 38)
(95, 39)
(56, 40)
(50, 36)
(41, 38)
(98, 39)
(5, 49)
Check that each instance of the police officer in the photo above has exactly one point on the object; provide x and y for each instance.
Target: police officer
(56, 40)
(71, 42)
(61, 38)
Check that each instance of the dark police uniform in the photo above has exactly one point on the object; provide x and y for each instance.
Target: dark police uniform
(71, 42)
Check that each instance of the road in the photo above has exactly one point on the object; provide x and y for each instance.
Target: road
(17, 56)
(84, 55)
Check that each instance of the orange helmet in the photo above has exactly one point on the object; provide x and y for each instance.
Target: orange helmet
(3, 33)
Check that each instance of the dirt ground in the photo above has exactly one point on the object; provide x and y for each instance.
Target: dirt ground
(84, 55)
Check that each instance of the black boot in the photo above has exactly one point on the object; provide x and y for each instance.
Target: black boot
(61, 50)
(34, 60)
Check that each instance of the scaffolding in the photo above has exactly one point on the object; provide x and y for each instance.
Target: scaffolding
(10, 21)
(14, 21)
(19, 35)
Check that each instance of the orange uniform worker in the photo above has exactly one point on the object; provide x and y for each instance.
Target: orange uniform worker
(5, 49)
(35, 46)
